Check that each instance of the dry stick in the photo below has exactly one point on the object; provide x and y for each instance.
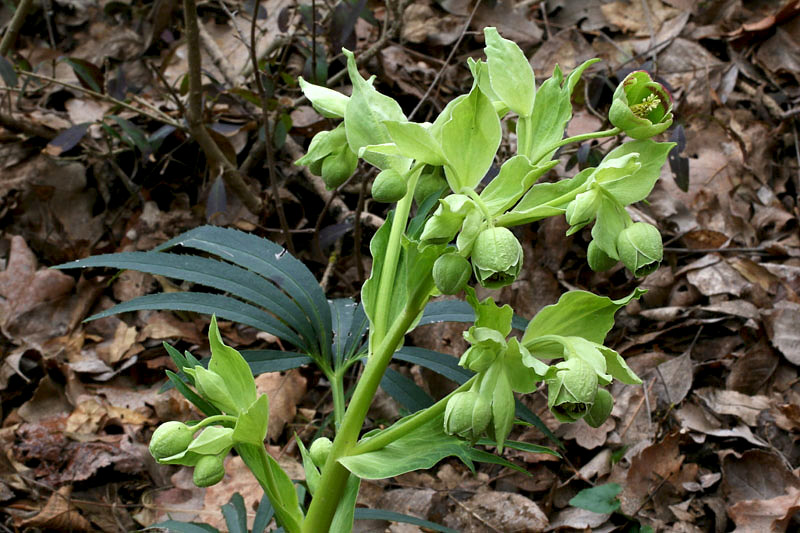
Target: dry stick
(217, 57)
(159, 117)
(273, 178)
(447, 61)
(13, 28)
(194, 116)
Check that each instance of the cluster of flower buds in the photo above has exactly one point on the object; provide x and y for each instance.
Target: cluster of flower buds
(330, 156)
(174, 443)
(495, 253)
(228, 385)
(503, 366)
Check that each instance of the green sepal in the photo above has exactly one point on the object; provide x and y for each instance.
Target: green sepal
(235, 371)
(516, 176)
(364, 118)
(601, 409)
(251, 425)
(510, 73)
(579, 314)
(469, 140)
(441, 228)
(415, 141)
(327, 102)
(551, 112)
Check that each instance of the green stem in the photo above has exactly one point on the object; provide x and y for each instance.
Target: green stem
(337, 391)
(221, 420)
(481, 205)
(577, 139)
(524, 136)
(334, 475)
(398, 430)
(393, 247)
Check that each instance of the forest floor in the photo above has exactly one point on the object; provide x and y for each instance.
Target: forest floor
(96, 158)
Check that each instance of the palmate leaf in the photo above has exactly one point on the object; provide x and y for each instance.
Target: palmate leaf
(211, 273)
(253, 269)
(270, 261)
(209, 304)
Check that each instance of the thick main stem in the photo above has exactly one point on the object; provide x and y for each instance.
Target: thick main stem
(334, 475)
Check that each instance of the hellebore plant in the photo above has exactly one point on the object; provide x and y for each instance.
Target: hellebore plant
(459, 236)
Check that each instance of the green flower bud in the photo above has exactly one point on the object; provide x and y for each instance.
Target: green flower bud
(451, 272)
(496, 257)
(640, 249)
(467, 415)
(322, 145)
(170, 438)
(603, 403)
(212, 387)
(598, 260)
(428, 184)
(641, 107)
(582, 210)
(208, 471)
(389, 186)
(338, 166)
(571, 392)
(319, 450)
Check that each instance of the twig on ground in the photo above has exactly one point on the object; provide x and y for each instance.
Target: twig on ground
(194, 115)
(15, 26)
(267, 123)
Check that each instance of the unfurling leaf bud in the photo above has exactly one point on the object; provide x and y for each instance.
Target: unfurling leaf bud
(389, 186)
(641, 107)
(598, 260)
(209, 470)
(467, 415)
(451, 272)
(170, 438)
(496, 257)
(571, 393)
(582, 210)
(603, 403)
(319, 450)
(640, 249)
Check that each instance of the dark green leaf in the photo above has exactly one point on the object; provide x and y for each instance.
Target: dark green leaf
(405, 391)
(208, 304)
(270, 261)
(183, 527)
(7, 72)
(262, 361)
(523, 413)
(441, 363)
(483, 456)
(601, 499)
(134, 133)
(68, 139)
(391, 516)
(189, 394)
(235, 514)
(264, 514)
(235, 280)
(458, 311)
(89, 74)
